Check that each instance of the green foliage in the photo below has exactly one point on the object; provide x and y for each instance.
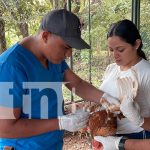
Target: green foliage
(102, 14)
(21, 11)
(145, 25)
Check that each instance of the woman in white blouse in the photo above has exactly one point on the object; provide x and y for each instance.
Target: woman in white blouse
(125, 46)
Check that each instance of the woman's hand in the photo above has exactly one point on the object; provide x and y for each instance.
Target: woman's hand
(109, 142)
(128, 90)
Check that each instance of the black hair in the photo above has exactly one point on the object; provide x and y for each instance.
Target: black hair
(127, 31)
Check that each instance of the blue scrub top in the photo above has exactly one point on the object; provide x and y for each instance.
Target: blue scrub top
(17, 66)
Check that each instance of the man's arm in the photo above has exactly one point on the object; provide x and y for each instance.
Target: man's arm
(131, 144)
(18, 127)
(87, 91)
(12, 126)
(82, 88)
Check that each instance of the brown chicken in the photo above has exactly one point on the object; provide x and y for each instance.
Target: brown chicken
(102, 123)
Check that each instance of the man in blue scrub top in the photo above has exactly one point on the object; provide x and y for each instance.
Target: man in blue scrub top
(30, 69)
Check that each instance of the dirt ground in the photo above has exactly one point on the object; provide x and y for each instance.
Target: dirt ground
(74, 141)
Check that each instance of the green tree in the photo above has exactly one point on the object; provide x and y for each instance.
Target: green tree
(2, 30)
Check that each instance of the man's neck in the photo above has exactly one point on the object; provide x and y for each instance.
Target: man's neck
(31, 43)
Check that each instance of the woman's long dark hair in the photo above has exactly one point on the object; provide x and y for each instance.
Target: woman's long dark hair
(127, 31)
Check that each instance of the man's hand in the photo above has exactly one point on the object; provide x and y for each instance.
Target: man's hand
(109, 142)
(74, 121)
(131, 110)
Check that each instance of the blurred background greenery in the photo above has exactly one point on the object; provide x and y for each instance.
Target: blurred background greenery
(19, 18)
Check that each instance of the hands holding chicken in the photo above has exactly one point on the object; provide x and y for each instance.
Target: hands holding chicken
(128, 88)
(129, 107)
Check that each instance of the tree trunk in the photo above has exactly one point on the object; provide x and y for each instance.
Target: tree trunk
(96, 1)
(2, 35)
(23, 29)
(23, 26)
(63, 4)
(55, 4)
(77, 54)
(77, 8)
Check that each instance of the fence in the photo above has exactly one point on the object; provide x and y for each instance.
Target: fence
(19, 18)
